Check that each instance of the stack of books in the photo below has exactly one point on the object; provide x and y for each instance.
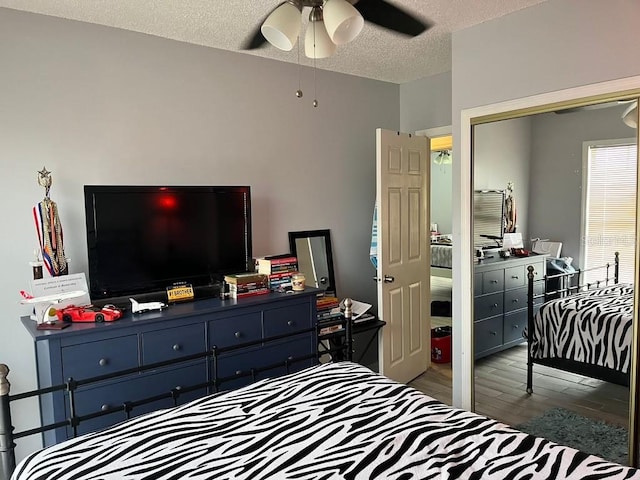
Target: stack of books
(247, 284)
(279, 270)
(325, 305)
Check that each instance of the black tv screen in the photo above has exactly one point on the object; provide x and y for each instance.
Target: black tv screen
(142, 239)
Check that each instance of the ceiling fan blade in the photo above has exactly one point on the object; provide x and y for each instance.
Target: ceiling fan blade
(391, 17)
(256, 39)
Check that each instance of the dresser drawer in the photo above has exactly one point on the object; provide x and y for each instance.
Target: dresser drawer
(285, 320)
(487, 335)
(493, 281)
(514, 277)
(273, 356)
(90, 400)
(514, 325)
(515, 299)
(170, 343)
(99, 358)
(488, 306)
(477, 284)
(236, 330)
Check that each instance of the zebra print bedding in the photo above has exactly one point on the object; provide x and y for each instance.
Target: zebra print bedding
(592, 327)
(331, 421)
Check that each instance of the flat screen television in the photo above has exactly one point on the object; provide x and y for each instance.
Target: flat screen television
(142, 239)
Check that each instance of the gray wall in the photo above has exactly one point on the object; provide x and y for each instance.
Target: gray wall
(98, 105)
(557, 170)
(502, 154)
(425, 103)
(441, 182)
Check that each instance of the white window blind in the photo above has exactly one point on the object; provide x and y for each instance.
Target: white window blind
(610, 209)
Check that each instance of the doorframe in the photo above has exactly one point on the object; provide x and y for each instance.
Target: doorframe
(463, 354)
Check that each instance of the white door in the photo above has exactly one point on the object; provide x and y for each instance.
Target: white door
(402, 189)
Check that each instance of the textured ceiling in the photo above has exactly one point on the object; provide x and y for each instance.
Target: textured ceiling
(376, 53)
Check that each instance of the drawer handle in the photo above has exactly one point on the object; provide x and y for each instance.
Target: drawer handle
(290, 358)
(238, 334)
(176, 347)
(103, 362)
(515, 327)
(493, 333)
(515, 277)
(515, 300)
(238, 372)
(495, 305)
(290, 323)
(494, 281)
(104, 407)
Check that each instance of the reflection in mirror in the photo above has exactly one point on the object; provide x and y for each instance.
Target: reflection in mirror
(315, 260)
(488, 217)
(570, 168)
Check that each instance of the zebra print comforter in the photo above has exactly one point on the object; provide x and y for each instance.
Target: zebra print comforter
(592, 327)
(331, 421)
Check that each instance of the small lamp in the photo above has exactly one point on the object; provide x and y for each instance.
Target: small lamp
(317, 43)
(630, 115)
(342, 20)
(282, 27)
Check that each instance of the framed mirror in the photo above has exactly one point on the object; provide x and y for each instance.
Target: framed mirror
(315, 260)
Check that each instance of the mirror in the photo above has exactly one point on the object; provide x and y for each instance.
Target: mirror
(315, 261)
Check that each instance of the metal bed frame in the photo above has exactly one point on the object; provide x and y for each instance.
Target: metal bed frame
(593, 371)
(8, 435)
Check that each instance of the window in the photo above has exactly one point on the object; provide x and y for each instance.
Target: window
(610, 208)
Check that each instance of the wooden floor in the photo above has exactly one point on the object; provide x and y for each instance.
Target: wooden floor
(500, 387)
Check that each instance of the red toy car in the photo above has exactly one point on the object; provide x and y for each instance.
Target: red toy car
(89, 313)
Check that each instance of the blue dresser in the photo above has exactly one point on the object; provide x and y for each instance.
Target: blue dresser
(86, 350)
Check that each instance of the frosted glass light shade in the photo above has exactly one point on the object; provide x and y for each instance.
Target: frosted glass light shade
(630, 115)
(342, 20)
(324, 47)
(282, 27)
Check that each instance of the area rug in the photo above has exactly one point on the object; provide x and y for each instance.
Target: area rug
(591, 436)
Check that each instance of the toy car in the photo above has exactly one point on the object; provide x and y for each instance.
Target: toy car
(89, 313)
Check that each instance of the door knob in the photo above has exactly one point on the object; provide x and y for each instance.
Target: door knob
(388, 279)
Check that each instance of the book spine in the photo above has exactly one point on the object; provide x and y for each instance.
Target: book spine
(260, 291)
(240, 279)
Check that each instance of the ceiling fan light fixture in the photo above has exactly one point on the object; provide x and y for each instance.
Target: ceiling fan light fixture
(282, 27)
(317, 43)
(342, 20)
(630, 115)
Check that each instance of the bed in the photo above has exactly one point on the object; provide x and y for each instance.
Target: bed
(582, 328)
(441, 257)
(335, 420)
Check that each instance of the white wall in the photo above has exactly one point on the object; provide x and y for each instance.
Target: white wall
(425, 103)
(97, 105)
(552, 46)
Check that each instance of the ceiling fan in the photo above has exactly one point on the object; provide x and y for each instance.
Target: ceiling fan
(331, 23)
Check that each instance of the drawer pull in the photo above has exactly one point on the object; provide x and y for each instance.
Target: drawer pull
(290, 358)
(493, 281)
(176, 347)
(238, 372)
(104, 407)
(238, 334)
(515, 327)
(290, 323)
(515, 300)
(103, 362)
(493, 333)
(515, 277)
(495, 305)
